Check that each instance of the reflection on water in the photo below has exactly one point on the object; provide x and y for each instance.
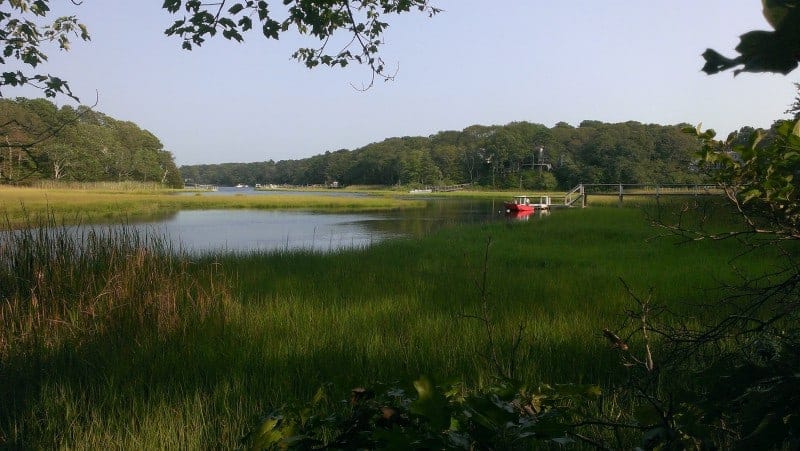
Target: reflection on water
(259, 230)
(438, 213)
(200, 231)
(526, 215)
(270, 230)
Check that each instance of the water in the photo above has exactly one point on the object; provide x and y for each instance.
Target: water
(250, 230)
(201, 231)
(270, 230)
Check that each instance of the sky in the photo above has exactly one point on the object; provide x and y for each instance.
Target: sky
(478, 62)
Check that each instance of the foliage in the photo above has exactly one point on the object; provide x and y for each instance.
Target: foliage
(760, 176)
(25, 28)
(362, 21)
(280, 336)
(756, 404)
(23, 33)
(501, 416)
(42, 142)
(794, 108)
(765, 51)
(743, 367)
(752, 347)
(506, 156)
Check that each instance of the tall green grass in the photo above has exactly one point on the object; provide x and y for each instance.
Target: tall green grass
(114, 187)
(98, 205)
(112, 340)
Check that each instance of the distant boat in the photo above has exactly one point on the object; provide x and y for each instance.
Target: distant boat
(524, 203)
(420, 191)
(241, 186)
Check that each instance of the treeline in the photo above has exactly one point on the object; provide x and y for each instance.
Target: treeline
(43, 142)
(516, 155)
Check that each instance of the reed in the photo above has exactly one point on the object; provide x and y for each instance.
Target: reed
(113, 340)
(96, 205)
(114, 187)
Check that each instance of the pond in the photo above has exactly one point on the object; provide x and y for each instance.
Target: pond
(275, 230)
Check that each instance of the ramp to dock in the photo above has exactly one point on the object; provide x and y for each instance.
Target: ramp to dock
(579, 194)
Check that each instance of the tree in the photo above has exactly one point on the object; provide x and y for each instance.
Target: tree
(89, 146)
(755, 345)
(362, 21)
(24, 29)
(753, 342)
(794, 108)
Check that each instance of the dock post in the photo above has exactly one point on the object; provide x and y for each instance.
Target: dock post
(584, 201)
(620, 194)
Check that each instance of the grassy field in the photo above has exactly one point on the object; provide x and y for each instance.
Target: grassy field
(122, 345)
(115, 203)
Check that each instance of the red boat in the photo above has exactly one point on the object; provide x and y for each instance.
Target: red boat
(524, 203)
(519, 203)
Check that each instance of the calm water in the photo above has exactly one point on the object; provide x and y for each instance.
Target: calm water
(246, 230)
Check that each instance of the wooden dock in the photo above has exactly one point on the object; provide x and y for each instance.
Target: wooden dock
(580, 194)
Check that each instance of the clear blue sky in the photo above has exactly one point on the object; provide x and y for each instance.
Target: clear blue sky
(479, 62)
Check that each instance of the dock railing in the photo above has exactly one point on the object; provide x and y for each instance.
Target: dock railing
(656, 190)
(576, 194)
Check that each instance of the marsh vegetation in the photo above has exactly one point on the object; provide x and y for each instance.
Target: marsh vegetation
(119, 341)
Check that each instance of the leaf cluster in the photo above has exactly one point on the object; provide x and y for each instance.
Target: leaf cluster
(765, 51)
(760, 175)
(756, 394)
(23, 34)
(744, 365)
(362, 21)
(501, 416)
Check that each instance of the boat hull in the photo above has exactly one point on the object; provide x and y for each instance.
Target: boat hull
(512, 207)
(520, 215)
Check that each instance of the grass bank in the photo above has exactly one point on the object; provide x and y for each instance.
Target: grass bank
(124, 345)
(104, 204)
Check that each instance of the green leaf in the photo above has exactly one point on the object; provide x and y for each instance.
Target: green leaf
(431, 404)
(750, 194)
(236, 9)
(268, 434)
(796, 129)
(490, 412)
(775, 12)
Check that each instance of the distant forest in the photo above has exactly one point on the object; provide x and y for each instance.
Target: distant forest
(43, 142)
(516, 155)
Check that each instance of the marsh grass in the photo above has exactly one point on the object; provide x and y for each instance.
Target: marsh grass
(112, 187)
(95, 205)
(113, 340)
